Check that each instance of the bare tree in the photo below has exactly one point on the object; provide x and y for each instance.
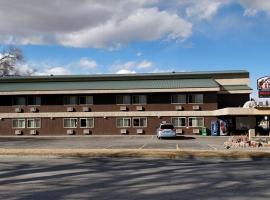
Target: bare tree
(8, 60)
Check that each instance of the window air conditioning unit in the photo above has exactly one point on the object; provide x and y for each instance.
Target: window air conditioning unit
(87, 132)
(18, 132)
(196, 131)
(33, 109)
(70, 132)
(123, 131)
(123, 108)
(179, 131)
(86, 109)
(140, 131)
(196, 107)
(70, 109)
(178, 107)
(140, 108)
(18, 110)
(33, 132)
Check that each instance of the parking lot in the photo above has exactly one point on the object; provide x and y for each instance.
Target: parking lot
(115, 142)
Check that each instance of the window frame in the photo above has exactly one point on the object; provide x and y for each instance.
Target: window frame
(195, 118)
(195, 102)
(68, 97)
(122, 118)
(178, 102)
(139, 95)
(93, 125)
(76, 124)
(34, 100)
(79, 100)
(185, 125)
(130, 100)
(13, 100)
(35, 123)
(145, 126)
(22, 119)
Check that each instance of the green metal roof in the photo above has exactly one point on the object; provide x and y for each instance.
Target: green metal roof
(236, 87)
(108, 85)
(121, 77)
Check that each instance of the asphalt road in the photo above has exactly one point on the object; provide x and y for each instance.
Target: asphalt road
(115, 142)
(32, 178)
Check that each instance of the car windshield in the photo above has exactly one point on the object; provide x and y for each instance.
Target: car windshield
(166, 126)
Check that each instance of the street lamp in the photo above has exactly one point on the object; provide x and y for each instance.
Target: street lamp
(266, 118)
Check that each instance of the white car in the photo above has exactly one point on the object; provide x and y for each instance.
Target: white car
(166, 131)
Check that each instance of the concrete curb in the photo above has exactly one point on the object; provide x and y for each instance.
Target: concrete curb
(155, 153)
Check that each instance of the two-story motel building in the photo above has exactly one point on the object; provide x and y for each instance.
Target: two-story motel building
(121, 104)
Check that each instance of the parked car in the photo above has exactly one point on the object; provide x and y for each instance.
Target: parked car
(166, 130)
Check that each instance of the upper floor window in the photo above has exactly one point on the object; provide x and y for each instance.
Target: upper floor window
(195, 98)
(19, 100)
(123, 99)
(86, 100)
(139, 99)
(70, 100)
(179, 121)
(34, 100)
(139, 121)
(179, 98)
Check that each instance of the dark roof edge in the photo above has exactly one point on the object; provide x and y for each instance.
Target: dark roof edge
(138, 76)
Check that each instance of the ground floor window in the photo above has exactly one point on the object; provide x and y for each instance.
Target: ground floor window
(87, 122)
(33, 123)
(70, 123)
(18, 123)
(123, 122)
(179, 121)
(139, 122)
(196, 121)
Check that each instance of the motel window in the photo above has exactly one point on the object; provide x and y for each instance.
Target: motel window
(70, 100)
(195, 98)
(34, 100)
(179, 121)
(123, 122)
(196, 121)
(179, 98)
(87, 122)
(33, 123)
(19, 101)
(139, 122)
(18, 123)
(70, 123)
(123, 99)
(139, 99)
(86, 100)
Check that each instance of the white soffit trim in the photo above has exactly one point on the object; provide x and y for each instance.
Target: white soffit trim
(215, 89)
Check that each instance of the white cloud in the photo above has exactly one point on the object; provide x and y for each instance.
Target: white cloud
(125, 71)
(24, 70)
(252, 7)
(99, 24)
(144, 64)
(88, 63)
(54, 71)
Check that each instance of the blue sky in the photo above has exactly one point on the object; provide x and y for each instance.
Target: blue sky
(139, 36)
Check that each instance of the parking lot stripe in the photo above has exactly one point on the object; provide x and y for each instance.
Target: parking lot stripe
(177, 147)
(143, 145)
(108, 147)
(212, 147)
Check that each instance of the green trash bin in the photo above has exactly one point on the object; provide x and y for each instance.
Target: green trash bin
(204, 131)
